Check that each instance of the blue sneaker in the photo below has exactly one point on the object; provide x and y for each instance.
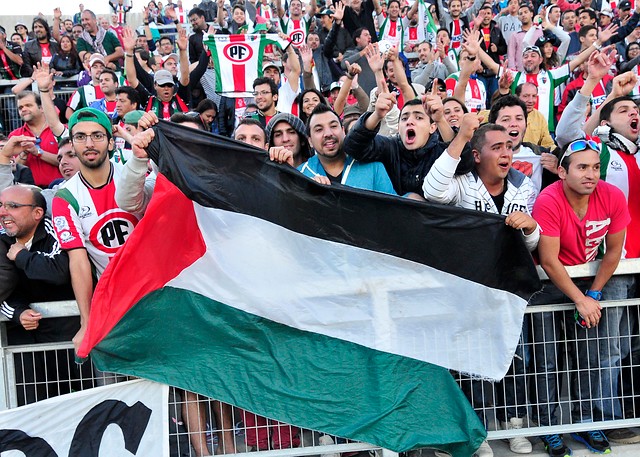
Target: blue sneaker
(594, 440)
(555, 446)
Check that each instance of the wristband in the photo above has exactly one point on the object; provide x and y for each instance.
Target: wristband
(349, 76)
(595, 294)
(597, 46)
(43, 91)
(126, 54)
(176, 22)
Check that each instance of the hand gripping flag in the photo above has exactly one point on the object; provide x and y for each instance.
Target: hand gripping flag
(326, 307)
(427, 29)
(237, 60)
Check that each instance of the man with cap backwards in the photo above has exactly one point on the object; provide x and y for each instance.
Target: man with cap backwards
(546, 79)
(91, 92)
(287, 132)
(86, 218)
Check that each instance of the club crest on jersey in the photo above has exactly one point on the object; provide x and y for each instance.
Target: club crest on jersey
(297, 37)
(238, 52)
(112, 230)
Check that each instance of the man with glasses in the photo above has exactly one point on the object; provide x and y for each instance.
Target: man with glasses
(88, 222)
(616, 123)
(35, 270)
(577, 215)
(265, 92)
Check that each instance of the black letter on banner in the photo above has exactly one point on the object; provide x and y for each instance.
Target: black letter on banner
(131, 420)
(18, 440)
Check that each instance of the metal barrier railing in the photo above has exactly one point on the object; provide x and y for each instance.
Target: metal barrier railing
(9, 116)
(237, 432)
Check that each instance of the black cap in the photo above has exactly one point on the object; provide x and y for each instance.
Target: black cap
(624, 5)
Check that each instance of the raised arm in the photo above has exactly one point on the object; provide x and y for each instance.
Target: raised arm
(44, 79)
(55, 31)
(401, 77)
(183, 46)
(341, 99)
(129, 43)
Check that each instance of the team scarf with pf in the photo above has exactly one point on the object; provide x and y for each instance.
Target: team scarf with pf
(426, 29)
(392, 31)
(164, 110)
(238, 60)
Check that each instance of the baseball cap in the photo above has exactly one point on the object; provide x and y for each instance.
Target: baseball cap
(606, 13)
(2, 30)
(269, 64)
(90, 115)
(20, 24)
(624, 5)
(96, 58)
(163, 77)
(335, 85)
(132, 117)
(325, 12)
(352, 110)
(173, 55)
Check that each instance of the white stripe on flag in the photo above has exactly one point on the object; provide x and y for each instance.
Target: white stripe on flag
(365, 297)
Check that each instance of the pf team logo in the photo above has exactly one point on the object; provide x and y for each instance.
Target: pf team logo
(112, 230)
(297, 37)
(237, 52)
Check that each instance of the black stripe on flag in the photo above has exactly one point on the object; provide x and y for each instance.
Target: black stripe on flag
(219, 172)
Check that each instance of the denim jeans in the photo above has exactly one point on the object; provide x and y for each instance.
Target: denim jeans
(614, 330)
(592, 356)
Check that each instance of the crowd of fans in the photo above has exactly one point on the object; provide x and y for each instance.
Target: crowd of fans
(527, 110)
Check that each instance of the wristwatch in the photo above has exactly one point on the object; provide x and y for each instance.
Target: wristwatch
(595, 294)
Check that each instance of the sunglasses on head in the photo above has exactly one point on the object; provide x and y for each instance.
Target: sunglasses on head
(579, 146)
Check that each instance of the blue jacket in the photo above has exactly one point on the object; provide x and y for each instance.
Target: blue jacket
(369, 176)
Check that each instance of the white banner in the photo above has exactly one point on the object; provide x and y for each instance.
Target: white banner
(101, 422)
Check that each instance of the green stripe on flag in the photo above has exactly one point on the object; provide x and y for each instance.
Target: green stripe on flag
(313, 381)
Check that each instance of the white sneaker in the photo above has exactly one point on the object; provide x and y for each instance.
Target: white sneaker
(519, 444)
(484, 450)
(326, 440)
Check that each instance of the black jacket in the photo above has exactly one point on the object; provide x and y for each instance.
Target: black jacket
(495, 37)
(32, 54)
(406, 169)
(39, 274)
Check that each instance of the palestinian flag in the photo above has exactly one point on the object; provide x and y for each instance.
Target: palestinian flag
(326, 307)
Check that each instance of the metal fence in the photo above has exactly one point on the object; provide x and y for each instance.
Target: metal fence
(584, 393)
(9, 116)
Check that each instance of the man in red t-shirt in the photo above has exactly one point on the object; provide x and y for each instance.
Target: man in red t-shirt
(577, 216)
(40, 50)
(43, 154)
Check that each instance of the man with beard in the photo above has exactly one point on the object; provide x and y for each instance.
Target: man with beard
(108, 85)
(265, 92)
(88, 222)
(330, 164)
(533, 161)
(40, 50)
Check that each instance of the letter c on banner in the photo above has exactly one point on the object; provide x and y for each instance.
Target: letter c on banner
(132, 420)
